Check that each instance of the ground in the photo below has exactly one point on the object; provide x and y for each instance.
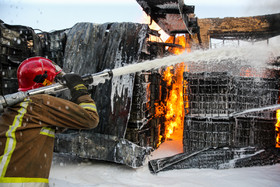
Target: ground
(69, 172)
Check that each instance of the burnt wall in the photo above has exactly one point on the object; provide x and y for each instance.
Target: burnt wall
(253, 28)
(86, 48)
(92, 48)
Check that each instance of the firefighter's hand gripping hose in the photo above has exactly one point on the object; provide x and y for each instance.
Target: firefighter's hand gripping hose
(90, 79)
(75, 84)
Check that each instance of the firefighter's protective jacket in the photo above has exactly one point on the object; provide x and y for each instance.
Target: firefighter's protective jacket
(27, 132)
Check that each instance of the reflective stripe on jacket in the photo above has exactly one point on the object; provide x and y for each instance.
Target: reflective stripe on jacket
(27, 132)
(24, 182)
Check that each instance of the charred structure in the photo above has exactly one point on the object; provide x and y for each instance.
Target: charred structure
(173, 16)
(215, 134)
(128, 129)
(252, 29)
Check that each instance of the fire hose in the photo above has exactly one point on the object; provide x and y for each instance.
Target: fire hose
(11, 99)
(90, 79)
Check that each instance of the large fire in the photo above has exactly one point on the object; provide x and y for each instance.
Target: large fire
(174, 115)
(173, 106)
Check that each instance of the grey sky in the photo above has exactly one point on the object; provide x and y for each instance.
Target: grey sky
(50, 15)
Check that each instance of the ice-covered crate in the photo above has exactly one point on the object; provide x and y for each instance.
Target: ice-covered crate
(255, 93)
(219, 94)
(201, 133)
(256, 132)
(209, 94)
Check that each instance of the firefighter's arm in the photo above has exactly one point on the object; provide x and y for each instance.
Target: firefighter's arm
(80, 95)
(66, 114)
(87, 103)
(85, 114)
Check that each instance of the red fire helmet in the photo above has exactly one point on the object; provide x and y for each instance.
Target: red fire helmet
(35, 72)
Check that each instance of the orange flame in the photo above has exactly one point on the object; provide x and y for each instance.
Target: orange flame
(159, 109)
(175, 101)
(173, 107)
(174, 116)
(277, 128)
(167, 75)
(183, 41)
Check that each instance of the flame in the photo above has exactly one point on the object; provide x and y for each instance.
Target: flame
(183, 41)
(277, 128)
(175, 101)
(173, 107)
(186, 97)
(174, 116)
(167, 75)
(159, 109)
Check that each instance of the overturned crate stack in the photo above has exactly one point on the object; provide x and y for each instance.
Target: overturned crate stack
(144, 128)
(213, 100)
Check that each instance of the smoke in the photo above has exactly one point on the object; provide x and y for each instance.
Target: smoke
(262, 7)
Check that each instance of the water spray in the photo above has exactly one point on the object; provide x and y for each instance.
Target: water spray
(260, 109)
(252, 54)
(90, 79)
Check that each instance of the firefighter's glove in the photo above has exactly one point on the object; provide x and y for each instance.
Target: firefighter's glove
(76, 85)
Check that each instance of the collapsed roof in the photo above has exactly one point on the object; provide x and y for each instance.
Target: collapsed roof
(173, 16)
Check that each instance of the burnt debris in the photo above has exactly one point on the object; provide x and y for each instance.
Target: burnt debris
(215, 133)
(127, 130)
(217, 158)
(173, 16)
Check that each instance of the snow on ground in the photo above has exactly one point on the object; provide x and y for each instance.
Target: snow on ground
(70, 172)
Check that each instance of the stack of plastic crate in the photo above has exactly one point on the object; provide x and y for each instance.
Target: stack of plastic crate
(213, 100)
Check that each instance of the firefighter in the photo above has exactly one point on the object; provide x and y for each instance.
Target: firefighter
(27, 129)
